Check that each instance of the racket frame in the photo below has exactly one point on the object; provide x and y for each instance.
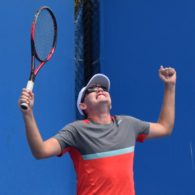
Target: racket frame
(34, 71)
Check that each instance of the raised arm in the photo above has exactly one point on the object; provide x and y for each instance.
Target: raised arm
(40, 149)
(165, 123)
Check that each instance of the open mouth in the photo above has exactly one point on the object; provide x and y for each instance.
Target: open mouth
(100, 94)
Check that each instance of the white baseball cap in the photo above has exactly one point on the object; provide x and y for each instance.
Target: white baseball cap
(97, 79)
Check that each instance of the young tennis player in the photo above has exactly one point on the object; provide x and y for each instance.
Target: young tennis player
(101, 146)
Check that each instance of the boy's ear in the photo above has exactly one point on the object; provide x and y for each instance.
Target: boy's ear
(83, 106)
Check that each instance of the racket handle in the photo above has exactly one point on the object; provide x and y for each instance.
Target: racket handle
(29, 86)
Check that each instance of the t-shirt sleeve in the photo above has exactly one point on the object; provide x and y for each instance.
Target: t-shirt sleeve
(66, 137)
(140, 128)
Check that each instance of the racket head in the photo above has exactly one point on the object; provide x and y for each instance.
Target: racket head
(43, 34)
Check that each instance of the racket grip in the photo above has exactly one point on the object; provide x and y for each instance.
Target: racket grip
(29, 86)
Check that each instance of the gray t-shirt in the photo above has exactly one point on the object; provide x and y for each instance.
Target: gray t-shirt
(89, 138)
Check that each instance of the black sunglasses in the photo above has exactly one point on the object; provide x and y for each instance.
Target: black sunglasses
(95, 89)
(92, 89)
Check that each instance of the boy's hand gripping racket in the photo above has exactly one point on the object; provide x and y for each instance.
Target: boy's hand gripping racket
(43, 43)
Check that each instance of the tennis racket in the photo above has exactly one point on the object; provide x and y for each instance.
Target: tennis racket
(43, 43)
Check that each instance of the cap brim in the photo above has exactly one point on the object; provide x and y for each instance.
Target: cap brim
(99, 79)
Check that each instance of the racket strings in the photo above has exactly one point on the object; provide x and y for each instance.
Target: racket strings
(44, 35)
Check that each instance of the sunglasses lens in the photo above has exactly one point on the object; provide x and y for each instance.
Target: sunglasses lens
(91, 90)
(104, 89)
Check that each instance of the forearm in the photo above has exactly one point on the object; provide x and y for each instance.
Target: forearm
(33, 135)
(167, 114)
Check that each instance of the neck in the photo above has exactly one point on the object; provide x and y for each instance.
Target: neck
(104, 118)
